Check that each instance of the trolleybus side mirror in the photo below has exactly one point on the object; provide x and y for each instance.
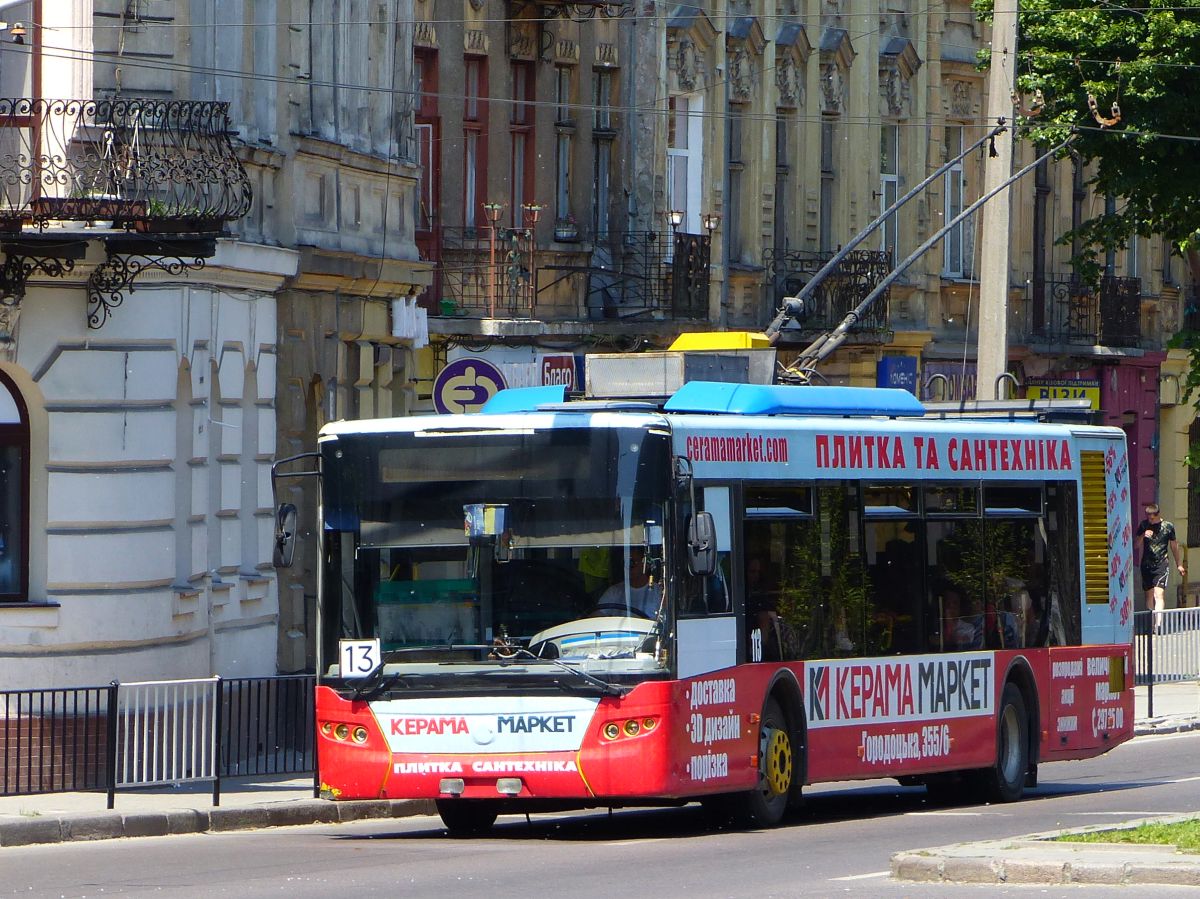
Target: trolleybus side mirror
(285, 535)
(702, 544)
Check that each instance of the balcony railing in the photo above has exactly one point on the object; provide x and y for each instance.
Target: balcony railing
(640, 274)
(842, 291)
(1064, 310)
(139, 163)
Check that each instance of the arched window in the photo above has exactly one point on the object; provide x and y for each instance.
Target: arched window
(14, 493)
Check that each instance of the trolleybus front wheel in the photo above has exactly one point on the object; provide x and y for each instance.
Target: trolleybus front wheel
(765, 805)
(467, 817)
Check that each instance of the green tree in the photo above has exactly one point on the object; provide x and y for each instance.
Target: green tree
(1144, 57)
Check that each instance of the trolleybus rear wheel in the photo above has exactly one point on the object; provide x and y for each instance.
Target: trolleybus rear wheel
(467, 817)
(1005, 781)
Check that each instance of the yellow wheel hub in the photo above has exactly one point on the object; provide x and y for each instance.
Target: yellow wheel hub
(777, 763)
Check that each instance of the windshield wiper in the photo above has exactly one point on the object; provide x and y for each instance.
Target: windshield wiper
(375, 683)
(604, 686)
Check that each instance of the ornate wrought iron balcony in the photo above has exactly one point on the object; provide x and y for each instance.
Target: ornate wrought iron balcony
(848, 285)
(1064, 310)
(142, 164)
(636, 275)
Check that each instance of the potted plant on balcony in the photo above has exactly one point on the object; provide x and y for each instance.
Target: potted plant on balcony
(565, 230)
(163, 218)
(87, 206)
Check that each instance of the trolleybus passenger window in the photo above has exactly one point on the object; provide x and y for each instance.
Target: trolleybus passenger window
(893, 556)
(951, 499)
(1006, 499)
(822, 586)
(1064, 627)
(889, 499)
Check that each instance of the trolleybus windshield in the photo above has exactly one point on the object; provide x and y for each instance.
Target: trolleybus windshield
(463, 549)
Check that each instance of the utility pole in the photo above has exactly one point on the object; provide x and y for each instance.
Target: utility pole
(992, 352)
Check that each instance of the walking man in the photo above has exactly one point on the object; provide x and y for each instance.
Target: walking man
(1157, 537)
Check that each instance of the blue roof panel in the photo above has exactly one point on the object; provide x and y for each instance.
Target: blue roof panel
(524, 399)
(780, 399)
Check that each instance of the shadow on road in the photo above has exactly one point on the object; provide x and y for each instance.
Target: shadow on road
(826, 804)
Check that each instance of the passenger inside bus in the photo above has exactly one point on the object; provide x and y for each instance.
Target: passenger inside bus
(959, 629)
(777, 638)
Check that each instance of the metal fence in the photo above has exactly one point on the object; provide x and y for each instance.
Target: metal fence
(157, 732)
(1170, 651)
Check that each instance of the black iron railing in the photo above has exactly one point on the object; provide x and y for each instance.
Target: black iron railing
(55, 740)
(1065, 310)
(268, 725)
(80, 739)
(626, 275)
(839, 293)
(139, 163)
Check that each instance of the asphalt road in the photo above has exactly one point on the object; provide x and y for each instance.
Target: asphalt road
(840, 844)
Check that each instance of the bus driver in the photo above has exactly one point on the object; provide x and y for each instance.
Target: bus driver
(644, 595)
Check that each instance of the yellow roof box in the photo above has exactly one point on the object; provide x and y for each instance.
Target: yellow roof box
(708, 341)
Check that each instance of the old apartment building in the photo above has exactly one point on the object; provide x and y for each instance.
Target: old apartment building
(402, 205)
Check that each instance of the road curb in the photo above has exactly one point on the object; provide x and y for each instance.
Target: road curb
(1041, 859)
(101, 826)
(922, 867)
(1165, 725)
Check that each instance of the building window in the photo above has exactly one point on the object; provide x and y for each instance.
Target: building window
(14, 493)
(828, 134)
(564, 110)
(474, 144)
(564, 148)
(737, 168)
(889, 181)
(1133, 257)
(685, 161)
(603, 133)
(952, 244)
(783, 178)
(602, 112)
(429, 176)
(562, 187)
(521, 129)
(602, 186)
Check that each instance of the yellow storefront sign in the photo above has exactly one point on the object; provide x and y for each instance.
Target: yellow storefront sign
(1064, 389)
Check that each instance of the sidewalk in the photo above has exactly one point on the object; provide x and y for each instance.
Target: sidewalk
(1176, 708)
(248, 803)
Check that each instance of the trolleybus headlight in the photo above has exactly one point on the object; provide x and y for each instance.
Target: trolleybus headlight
(648, 723)
(341, 731)
(327, 728)
(360, 734)
(612, 730)
(632, 727)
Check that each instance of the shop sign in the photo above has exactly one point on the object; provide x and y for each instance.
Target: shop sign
(1064, 389)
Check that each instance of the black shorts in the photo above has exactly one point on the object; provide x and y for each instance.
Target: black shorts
(1155, 577)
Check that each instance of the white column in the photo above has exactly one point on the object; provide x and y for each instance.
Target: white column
(994, 262)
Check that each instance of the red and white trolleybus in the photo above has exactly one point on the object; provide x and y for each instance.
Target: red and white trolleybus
(721, 597)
